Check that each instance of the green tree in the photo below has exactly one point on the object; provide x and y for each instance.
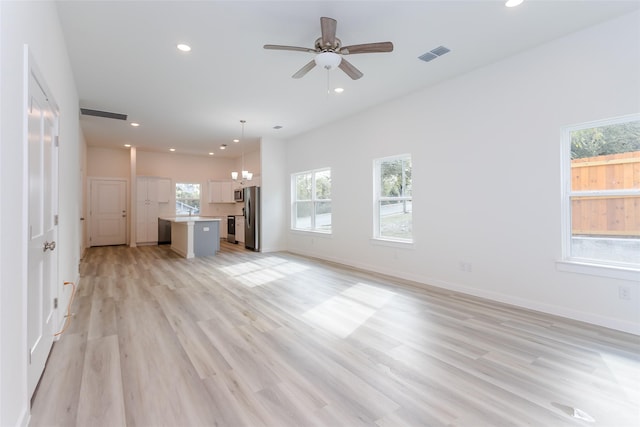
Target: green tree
(395, 178)
(603, 140)
(323, 185)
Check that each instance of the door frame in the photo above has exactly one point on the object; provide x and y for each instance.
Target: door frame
(90, 180)
(31, 68)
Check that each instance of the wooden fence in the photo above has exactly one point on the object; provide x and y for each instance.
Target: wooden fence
(606, 215)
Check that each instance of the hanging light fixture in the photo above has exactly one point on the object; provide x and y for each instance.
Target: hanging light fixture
(245, 174)
(328, 60)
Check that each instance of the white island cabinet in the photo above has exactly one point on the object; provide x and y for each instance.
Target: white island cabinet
(194, 236)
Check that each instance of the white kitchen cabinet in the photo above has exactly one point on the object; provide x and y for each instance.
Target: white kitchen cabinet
(149, 193)
(164, 190)
(240, 229)
(221, 192)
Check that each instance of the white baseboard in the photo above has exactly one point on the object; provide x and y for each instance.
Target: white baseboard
(591, 318)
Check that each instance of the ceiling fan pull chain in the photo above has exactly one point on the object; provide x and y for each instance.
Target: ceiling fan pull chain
(328, 82)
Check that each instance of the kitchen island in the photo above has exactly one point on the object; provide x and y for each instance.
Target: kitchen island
(194, 236)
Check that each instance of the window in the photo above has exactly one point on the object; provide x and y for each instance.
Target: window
(187, 198)
(312, 200)
(393, 201)
(601, 170)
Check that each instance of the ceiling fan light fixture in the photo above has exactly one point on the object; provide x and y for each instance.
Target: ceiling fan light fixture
(513, 3)
(328, 60)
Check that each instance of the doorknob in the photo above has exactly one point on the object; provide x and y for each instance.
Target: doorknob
(49, 245)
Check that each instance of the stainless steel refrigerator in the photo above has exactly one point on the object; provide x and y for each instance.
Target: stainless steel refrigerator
(252, 218)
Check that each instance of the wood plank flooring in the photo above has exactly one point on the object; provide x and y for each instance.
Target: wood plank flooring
(252, 339)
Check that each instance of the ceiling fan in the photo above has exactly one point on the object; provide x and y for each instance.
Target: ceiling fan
(329, 51)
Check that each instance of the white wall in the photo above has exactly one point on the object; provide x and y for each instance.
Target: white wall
(486, 175)
(108, 163)
(274, 195)
(35, 24)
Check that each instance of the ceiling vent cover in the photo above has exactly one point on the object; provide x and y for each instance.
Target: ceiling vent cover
(434, 53)
(105, 114)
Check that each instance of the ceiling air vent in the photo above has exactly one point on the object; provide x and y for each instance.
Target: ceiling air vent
(434, 53)
(105, 114)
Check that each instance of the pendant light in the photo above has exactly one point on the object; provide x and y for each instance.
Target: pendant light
(245, 174)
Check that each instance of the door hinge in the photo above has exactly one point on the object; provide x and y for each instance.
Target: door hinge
(56, 140)
(55, 220)
(55, 303)
(29, 355)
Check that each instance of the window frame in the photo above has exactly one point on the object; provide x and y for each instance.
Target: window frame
(175, 188)
(378, 199)
(576, 264)
(314, 201)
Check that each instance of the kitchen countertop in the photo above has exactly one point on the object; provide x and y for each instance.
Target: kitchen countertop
(191, 218)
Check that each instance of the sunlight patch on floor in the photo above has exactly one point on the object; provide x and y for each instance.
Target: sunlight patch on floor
(259, 278)
(262, 271)
(346, 312)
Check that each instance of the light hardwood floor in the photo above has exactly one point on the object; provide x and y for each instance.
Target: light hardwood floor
(251, 339)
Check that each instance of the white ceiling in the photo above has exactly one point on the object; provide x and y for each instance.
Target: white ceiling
(124, 59)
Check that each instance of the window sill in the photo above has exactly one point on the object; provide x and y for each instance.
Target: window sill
(392, 243)
(314, 232)
(610, 271)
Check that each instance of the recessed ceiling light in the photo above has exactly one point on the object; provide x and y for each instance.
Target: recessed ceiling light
(338, 90)
(223, 146)
(211, 154)
(236, 140)
(513, 3)
(134, 124)
(184, 47)
(172, 149)
(127, 145)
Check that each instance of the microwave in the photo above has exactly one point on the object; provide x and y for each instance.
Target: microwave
(238, 195)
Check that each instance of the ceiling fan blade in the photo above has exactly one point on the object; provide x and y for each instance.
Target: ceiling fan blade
(328, 28)
(294, 48)
(350, 70)
(304, 70)
(367, 48)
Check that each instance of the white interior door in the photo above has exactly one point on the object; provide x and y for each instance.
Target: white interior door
(108, 212)
(42, 261)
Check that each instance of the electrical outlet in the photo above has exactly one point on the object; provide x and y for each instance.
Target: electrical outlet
(624, 292)
(465, 266)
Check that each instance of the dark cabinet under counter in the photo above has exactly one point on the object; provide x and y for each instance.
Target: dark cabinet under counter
(164, 231)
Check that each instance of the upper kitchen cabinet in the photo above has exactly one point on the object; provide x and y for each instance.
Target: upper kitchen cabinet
(221, 192)
(164, 190)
